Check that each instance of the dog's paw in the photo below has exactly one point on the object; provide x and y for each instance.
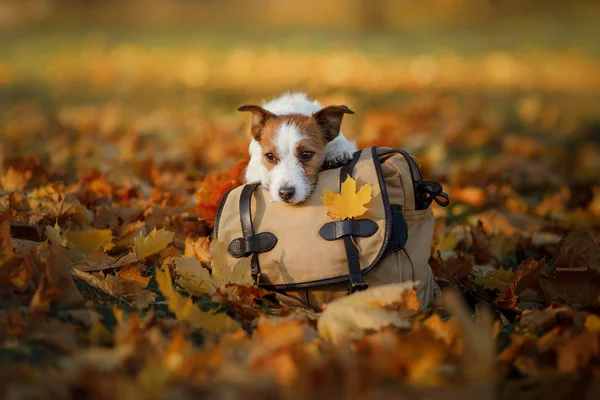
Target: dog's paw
(338, 160)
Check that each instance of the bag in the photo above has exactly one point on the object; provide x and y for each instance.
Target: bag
(301, 251)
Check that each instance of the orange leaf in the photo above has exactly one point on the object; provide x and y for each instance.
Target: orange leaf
(213, 188)
(132, 273)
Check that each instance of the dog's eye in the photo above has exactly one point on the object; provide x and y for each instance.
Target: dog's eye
(306, 155)
(270, 157)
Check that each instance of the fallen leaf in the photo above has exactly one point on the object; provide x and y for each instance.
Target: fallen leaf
(349, 203)
(132, 273)
(577, 250)
(199, 248)
(6, 245)
(452, 269)
(478, 357)
(130, 291)
(185, 309)
(240, 274)
(592, 323)
(213, 188)
(57, 285)
(577, 353)
(570, 286)
(527, 276)
(53, 233)
(192, 276)
(482, 248)
(536, 321)
(471, 195)
(448, 330)
(152, 244)
(348, 318)
(91, 240)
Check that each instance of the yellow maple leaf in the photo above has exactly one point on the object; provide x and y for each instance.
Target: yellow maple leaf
(152, 244)
(592, 323)
(193, 277)
(185, 309)
(350, 203)
(240, 274)
(89, 240)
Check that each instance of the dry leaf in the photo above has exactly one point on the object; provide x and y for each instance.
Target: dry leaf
(54, 235)
(192, 276)
(185, 309)
(527, 276)
(91, 240)
(482, 248)
(199, 248)
(451, 269)
(6, 245)
(577, 250)
(131, 291)
(240, 274)
(478, 358)
(350, 203)
(152, 244)
(348, 318)
(592, 323)
(132, 273)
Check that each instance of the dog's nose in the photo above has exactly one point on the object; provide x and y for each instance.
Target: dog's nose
(286, 193)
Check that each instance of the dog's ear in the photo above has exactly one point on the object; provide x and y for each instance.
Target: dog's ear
(330, 119)
(259, 117)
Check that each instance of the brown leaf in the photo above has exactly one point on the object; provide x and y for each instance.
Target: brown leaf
(535, 321)
(129, 290)
(199, 248)
(482, 249)
(577, 250)
(455, 268)
(570, 286)
(577, 353)
(57, 284)
(132, 273)
(6, 245)
(527, 276)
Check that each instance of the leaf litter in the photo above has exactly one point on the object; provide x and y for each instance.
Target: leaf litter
(112, 287)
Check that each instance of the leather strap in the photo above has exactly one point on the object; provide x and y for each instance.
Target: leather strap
(399, 234)
(355, 227)
(244, 246)
(356, 280)
(246, 221)
(346, 170)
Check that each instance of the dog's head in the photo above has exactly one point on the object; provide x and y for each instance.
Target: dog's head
(293, 148)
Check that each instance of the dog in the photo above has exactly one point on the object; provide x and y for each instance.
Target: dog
(293, 139)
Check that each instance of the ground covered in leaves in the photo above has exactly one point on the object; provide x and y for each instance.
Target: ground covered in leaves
(109, 287)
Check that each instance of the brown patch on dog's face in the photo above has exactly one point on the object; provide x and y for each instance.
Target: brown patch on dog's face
(311, 140)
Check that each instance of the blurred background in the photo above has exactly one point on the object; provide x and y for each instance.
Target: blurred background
(479, 90)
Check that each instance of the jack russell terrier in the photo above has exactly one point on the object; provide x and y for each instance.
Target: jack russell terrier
(293, 139)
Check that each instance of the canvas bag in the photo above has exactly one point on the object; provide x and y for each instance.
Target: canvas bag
(300, 250)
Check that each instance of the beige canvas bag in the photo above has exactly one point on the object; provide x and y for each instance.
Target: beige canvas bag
(300, 250)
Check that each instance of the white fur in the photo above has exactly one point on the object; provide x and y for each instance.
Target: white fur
(289, 170)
